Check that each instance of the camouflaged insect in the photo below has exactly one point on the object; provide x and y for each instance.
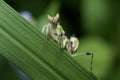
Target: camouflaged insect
(55, 31)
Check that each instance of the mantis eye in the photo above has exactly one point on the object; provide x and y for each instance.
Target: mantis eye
(54, 19)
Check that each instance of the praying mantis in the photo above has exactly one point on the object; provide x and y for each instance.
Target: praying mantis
(55, 31)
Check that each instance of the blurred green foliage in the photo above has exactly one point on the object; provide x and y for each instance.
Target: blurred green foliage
(95, 22)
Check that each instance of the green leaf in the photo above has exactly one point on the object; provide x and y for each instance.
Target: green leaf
(22, 44)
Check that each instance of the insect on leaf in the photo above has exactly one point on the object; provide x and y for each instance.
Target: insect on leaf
(22, 44)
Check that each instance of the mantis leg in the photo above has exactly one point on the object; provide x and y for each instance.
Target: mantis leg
(87, 53)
